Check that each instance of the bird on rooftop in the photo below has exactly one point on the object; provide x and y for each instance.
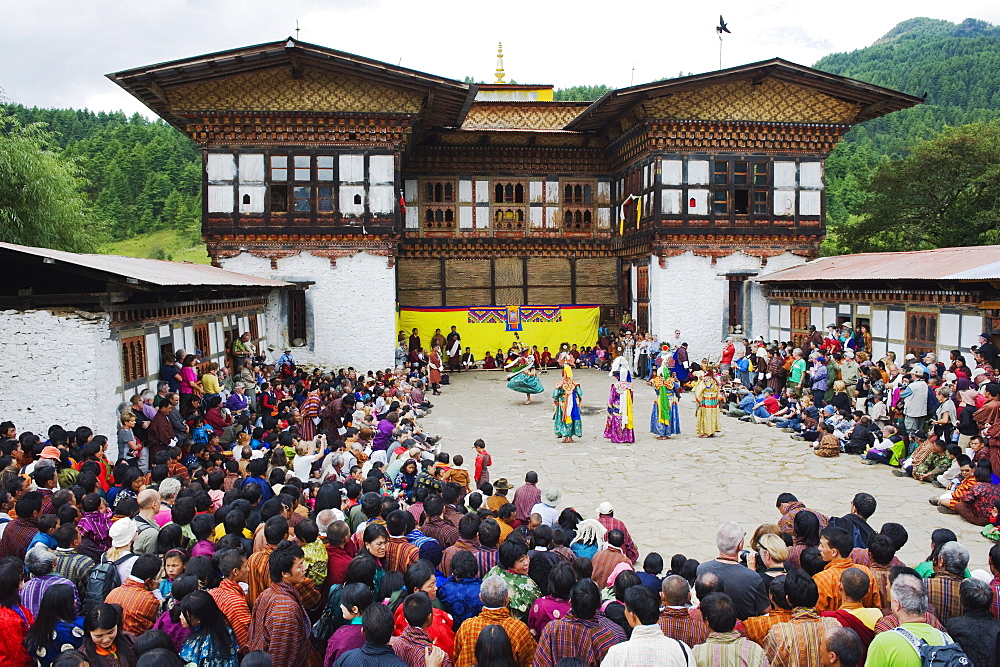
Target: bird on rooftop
(722, 27)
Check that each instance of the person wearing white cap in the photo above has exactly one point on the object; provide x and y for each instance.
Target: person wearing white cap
(606, 515)
(122, 534)
(547, 507)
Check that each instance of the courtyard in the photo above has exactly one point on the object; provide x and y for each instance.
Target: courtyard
(673, 494)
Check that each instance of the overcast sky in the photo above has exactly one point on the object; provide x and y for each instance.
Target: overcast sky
(56, 53)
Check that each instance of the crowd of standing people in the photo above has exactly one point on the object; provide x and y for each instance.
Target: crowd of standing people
(310, 519)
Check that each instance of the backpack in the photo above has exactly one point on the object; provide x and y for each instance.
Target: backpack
(328, 622)
(948, 654)
(102, 580)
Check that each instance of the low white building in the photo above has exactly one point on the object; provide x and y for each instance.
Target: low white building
(912, 302)
(79, 334)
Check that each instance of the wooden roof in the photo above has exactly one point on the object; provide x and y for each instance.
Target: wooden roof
(446, 101)
(872, 101)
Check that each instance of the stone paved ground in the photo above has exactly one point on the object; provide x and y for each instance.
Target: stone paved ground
(673, 494)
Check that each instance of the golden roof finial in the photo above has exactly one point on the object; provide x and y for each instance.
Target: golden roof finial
(499, 73)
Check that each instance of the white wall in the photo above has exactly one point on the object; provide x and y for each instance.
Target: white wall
(692, 295)
(58, 369)
(350, 309)
(755, 305)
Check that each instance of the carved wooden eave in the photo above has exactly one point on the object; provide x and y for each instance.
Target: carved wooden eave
(280, 246)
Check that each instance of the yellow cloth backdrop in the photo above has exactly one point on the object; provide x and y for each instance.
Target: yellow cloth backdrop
(579, 325)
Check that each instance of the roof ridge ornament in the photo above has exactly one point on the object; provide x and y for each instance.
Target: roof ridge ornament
(499, 73)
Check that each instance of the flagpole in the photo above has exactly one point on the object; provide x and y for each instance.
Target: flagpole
(720, 50)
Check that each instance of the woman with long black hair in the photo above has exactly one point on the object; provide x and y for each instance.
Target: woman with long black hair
(212, 642)
(57, 628)
(104, 642)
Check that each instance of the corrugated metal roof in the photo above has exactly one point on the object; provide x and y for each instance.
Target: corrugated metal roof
(967, 263)
(151, 271)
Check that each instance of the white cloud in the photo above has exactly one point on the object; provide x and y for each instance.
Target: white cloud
(56, 53)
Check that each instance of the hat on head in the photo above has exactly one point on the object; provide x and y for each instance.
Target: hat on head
(122, 533)
(919, 435)
(50, 452)
(605, 508)
(846, 325)
(239, 385)
(502, 485)
(911, 356)
(849, 353)
(551, 497)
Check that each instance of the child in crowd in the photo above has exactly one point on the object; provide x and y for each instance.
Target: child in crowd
(460, 476)
(315, 557)
(829, 444)
(47, 525)
(173, 567)
(94, 527)
(199, 431)
(483, 463)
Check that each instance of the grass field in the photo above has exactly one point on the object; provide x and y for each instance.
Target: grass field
(169, 244)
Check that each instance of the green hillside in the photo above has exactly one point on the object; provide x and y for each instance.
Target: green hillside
(957, 66)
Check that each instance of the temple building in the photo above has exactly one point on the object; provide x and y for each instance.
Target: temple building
(376, 188)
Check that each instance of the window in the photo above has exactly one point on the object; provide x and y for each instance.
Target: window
(279, 191)
(133, 358)
(302, 170)
(760, 203)
(741, 187)
(324, 201)
(720, 202)
(508, 193)
(324, 168)
(301, 199)
(254, 327)
(578, 193)
(202, 341)
(439, 192)
(720, 175)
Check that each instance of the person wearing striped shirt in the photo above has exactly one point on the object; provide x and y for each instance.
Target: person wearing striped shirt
(797, 642)
(231, 599)
(582, 634)
(647, 645)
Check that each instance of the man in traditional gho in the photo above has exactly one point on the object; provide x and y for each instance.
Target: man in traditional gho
(665, 420)
(454, 345)
(566, 397)
(620, 427)
(706, 393)
(522, 376)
